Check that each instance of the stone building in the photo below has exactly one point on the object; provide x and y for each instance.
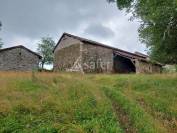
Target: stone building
(73, 53)
(18, 58)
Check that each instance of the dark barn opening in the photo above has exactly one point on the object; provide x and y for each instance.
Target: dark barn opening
(123, 65)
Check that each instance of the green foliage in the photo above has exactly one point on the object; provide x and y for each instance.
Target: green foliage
(45, 49)
(158, 28)
(1, 43)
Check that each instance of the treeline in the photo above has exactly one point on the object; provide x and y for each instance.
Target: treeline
(158, 29)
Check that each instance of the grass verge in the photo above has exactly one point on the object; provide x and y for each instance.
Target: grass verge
(141, 121)
(53, 103)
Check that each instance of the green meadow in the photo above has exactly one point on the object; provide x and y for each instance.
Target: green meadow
(76, 103)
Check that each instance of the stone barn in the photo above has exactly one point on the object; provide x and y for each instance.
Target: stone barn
(73, 53)
(18, 58)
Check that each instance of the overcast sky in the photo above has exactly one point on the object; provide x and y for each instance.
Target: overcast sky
(26, 21)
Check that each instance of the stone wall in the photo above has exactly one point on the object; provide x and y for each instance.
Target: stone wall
(156, 69)
(74, 55)
(66, 42)
(66, 58)
(96, 59)
(146, 67)
(84, 58)
(18, 59)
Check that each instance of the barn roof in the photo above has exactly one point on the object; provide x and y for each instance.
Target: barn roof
(23, 47)
(139, 53)
(115, 50)
(95, 43)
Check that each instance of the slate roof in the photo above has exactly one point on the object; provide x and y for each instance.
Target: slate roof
(23, 47)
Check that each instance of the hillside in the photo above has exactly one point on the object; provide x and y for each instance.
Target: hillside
(74, 103)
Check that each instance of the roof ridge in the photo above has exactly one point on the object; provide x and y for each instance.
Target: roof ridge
(96, 43)
(20, 46)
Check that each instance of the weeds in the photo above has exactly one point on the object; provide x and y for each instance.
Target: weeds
(67, 102)
(54, 103)
(141, 121)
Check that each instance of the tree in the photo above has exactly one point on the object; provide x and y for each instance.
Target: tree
(45, 49)
(158, 29)
(1, 43)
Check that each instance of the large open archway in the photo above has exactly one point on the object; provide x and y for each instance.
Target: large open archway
(123, 65)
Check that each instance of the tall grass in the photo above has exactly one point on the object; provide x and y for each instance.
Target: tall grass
(53, 103)
(67, 102)
(141, 121)
(155, 94)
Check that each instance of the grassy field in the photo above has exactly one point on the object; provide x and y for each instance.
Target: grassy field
(74, 103)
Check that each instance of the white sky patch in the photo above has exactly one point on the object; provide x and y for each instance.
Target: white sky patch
(48, 67)
(126, 35)
(27, 42)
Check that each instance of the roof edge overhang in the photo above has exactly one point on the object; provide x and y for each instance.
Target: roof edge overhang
(133, 58)
(23, 47)
(94, 43)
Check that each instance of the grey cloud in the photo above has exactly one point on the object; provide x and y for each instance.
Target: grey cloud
(37, 17)
(99, 30)
(32, 19)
